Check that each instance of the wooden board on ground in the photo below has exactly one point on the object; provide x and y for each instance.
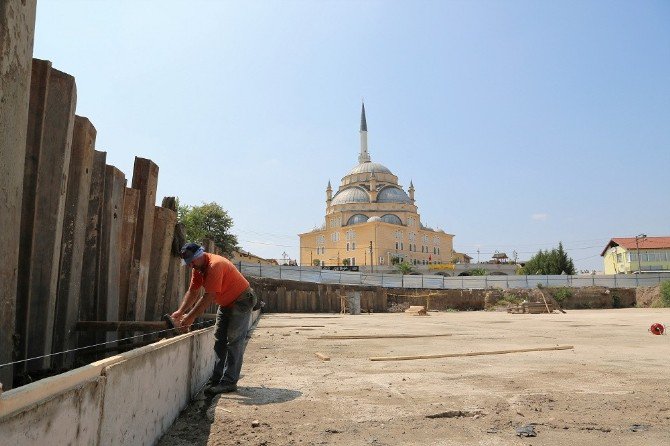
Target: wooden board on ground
(393, 336)
(322, 357)
(458, 355)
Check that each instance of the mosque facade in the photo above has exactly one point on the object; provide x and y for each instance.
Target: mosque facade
(371, 221)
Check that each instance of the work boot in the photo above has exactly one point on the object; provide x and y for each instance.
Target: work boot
(220, 388)
(213, 380)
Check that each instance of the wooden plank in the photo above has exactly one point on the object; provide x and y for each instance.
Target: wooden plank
(161, 252)
(17, 26)
(90, 274)
(110, 237)
(41, 70)
(457, 355)
(175, 287)
(54, 140)
(72, 246)
(131, 201)
(145, 179)
(322, 357)
(393, 336)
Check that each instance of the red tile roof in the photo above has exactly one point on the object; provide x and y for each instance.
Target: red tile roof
(644, 243)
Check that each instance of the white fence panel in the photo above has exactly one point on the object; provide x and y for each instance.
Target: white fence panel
(316, 275)
(432, 281)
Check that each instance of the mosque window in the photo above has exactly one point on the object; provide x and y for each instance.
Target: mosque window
(335, 237)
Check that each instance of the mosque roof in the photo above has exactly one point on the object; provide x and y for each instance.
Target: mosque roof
(369, 167)
(391, 194)
(351, 195)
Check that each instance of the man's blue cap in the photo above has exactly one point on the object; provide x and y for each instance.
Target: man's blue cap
(190, 252)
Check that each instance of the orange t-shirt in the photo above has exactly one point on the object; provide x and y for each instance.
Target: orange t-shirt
(221, 278)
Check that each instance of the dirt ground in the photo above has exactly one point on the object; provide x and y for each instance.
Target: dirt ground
(612, 388)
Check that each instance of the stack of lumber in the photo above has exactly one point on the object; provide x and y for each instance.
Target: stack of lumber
(531, 308)
(416, 310)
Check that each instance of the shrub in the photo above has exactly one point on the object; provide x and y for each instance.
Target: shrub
(562, 293)
(665, 293)
(616, 301)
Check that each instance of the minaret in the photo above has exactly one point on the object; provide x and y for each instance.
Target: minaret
(329, 194)
(364, 157)
(411, 191)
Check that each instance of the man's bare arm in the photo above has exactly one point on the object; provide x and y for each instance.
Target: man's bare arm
(198, 309)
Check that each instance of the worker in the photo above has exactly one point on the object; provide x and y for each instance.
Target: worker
(226, 286)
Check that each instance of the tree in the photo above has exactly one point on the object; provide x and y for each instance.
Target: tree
(404, 267)
(209, 221)
(548, 262)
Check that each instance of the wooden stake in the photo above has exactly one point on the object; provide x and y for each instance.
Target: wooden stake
(456, 355)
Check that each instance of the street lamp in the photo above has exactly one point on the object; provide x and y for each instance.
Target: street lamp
(637, 245)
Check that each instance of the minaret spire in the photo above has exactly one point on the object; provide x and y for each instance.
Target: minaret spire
(364, 157)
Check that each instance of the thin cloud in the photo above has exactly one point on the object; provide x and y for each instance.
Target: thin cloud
(539, 217)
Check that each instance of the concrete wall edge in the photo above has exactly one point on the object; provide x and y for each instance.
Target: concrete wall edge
(25, 397)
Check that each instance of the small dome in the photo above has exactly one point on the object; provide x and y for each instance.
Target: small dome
(375, 218)
(393, 219)
(351, 195)
(369, 167)
(392, 194)
(356, 219)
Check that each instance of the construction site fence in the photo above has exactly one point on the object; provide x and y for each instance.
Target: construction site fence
(388, 280)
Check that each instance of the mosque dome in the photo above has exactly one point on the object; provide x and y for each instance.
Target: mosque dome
(356, 219)
(391, 218)
(351, 195)
(369, 167)
(392, 194)
(375, 218)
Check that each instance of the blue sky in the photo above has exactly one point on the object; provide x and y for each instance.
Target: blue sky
(520, 123)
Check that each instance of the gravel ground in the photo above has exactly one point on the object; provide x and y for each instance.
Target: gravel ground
(612, 388)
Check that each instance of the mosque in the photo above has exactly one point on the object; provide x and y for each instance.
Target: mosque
(371, 221)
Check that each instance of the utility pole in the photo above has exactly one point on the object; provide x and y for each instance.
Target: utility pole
(637, 245)
(477, 255)
(372, 268)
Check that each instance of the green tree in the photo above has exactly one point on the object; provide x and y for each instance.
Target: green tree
(404, 267)
(555, 261)
(209, 221)
(477, 272)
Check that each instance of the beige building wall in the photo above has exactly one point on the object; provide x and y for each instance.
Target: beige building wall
(331, 246)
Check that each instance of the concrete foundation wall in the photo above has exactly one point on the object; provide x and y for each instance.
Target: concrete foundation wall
(129, 399)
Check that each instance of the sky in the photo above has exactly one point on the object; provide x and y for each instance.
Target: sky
(520, 123)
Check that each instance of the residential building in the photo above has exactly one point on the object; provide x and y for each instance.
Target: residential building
(626, 255)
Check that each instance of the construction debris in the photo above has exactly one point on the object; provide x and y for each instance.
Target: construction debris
(322, 357)
(416, 310)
